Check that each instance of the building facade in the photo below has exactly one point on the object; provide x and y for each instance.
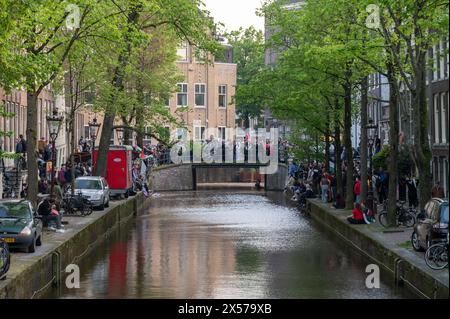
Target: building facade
(438, 101)
(15, 102)
(438, 108)
(378, 105)
(206, 94)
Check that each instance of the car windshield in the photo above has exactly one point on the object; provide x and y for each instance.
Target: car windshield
(15, 210)
(444, 214)
(87, 184)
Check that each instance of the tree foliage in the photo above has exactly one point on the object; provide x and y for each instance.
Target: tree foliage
(248, 51)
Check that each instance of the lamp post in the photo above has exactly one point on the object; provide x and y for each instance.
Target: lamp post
(371, 134)
(94, 126)
(120, 135)
(54, 122)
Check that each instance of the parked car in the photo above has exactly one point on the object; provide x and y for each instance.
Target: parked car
(5, 259)
(432, 225)
(19, 226)
(95, 189)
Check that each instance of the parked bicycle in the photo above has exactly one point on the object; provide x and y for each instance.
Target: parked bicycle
(436, 256)
(404, 216)
(77, 205)
(5, 258)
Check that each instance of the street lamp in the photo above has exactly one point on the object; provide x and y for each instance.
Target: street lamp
(54, 122)
(120, 135)
(94, 126)
(371, 135)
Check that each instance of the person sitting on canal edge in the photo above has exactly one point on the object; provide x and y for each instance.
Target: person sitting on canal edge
(357, 217)
(50, 215)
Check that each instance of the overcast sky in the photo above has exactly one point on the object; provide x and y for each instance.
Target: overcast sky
(235, 13)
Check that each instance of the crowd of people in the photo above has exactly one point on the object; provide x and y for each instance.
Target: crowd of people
(312, 177)
(245, 149)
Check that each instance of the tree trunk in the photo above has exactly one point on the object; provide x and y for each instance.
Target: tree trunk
(349, 198)
(393, 143)
(327, 141)
(422, 151)
(72, 145)
(103, 147)
(110, 113)
(363, 145)
(140, 139)
(127, 134)
(246, 121)
(31, 134)
(337, 151)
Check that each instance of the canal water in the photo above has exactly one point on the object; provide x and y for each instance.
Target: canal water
(224, 244)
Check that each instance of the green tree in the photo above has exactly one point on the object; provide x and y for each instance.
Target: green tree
(248, 51)
(42, 34)
(182, 17)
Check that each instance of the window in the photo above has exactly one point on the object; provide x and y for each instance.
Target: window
(180, 133)
(436, 118)
(437, 63)
(200, 92)
(89, 96)
(167, 102)
(222, 132)
(87, 135)
(182, 52)
(385, 112)
(182, 95)
(199, 133)
(444, 60)
(444, 118)
(147, 137)
(222, 96)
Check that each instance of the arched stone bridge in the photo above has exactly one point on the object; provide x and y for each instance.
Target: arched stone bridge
(185, 177)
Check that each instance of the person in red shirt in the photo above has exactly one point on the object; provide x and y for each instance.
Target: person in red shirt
(357, 217)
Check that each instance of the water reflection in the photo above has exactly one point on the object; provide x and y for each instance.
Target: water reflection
(216, 244)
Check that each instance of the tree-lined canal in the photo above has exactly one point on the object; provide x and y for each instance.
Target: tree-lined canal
(224, 244)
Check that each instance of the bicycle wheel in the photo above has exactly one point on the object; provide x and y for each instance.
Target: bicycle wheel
(69, 207)
(5, 259)
(86, 209)
(408, 219)
(383, 219)
(436, 257)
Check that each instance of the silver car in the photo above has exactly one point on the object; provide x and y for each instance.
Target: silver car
(95, 189)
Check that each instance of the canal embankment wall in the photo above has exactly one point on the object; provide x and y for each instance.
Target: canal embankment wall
(404, 266)
(38, 272)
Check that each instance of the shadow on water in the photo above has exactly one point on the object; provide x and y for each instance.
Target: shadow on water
(223, 244)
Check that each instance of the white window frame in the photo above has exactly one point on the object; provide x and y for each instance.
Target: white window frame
(436, 118)
(219, 133)
(182, 47)
(443, 119)
(199, 137)
(225, 95)
(204, 95)
(436, 70)
(147, 138)
(183, 92)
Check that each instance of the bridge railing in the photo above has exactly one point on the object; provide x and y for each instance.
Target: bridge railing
(164, 158)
